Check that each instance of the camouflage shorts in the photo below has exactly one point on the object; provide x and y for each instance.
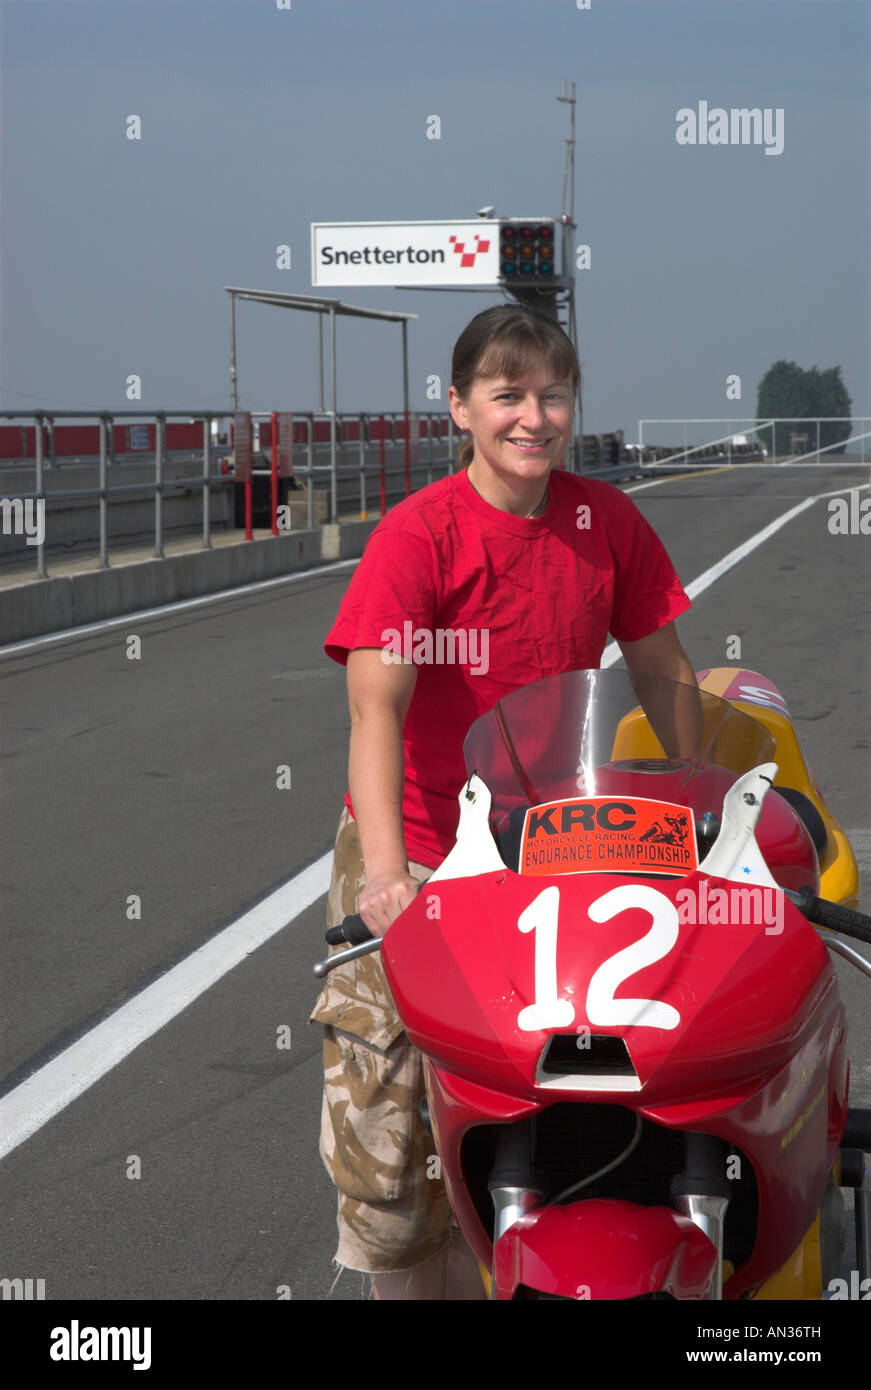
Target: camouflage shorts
(391, 1215)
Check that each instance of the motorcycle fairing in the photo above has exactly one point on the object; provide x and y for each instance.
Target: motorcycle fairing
(753, 693)
(778, 1125)
(790, 859)
(732, 1027)
(758, 1015)
(485, 971)
(605, 1249)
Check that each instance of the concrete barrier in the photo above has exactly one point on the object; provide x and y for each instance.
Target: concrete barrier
(67, 601)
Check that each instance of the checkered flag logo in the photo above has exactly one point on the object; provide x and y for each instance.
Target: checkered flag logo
(467, 258)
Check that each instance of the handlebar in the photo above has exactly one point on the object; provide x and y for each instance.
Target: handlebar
(832, 916)
(820, 912)
(353, 930)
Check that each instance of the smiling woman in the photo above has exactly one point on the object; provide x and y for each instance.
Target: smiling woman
(520, 432)
(498, 550)
(515, 376)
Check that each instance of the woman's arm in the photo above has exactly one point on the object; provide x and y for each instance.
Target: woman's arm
(678, 728)
(379, 694)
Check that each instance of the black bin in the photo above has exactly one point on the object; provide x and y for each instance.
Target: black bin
(261, 494)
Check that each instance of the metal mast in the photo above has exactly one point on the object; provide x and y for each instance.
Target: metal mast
(567, 218)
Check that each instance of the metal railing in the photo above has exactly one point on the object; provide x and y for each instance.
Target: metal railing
(44, 421)
(388, 430)
(375, 440)
(725, 447)
(386, 434)
(360, 456)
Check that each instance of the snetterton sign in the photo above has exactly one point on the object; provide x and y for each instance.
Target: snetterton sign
(405, 253)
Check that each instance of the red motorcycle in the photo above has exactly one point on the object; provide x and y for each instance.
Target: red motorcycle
(620, 977)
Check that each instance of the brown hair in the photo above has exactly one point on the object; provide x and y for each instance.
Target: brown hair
(509, 340)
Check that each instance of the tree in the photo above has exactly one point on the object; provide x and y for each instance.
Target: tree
(781, 392)
(788, 392)
(832, 399)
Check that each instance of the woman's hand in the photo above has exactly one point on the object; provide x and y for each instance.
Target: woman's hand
(382, 900)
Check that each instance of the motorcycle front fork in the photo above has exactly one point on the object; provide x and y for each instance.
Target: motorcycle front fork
(699, 1192)
(511, 1182)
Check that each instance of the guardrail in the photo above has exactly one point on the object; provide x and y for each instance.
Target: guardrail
(370, 436)
(393, 455)
(785, 442)
(382, 434)
(205, 480)
(396, 431)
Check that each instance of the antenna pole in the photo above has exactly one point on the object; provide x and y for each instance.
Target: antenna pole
(567, 217)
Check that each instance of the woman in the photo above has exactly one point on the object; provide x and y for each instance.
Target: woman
(527, 569)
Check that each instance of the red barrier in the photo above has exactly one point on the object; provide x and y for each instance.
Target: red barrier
(185, 436)
(14, 442)
(383, 487)
(273, 432)
(76, 441)
(83, 441)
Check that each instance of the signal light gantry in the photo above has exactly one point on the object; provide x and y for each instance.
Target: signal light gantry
(526, 250)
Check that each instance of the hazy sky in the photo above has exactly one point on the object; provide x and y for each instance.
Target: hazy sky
(257, 121)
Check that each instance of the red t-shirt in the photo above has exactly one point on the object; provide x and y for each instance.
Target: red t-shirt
(520, 598)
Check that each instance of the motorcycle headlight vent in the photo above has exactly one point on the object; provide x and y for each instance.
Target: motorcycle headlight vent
(586, 1062)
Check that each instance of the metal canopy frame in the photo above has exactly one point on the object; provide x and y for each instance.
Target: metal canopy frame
(320, 306)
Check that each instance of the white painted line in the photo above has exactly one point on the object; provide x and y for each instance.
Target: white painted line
(166, 610)
(672, 477)
(710, 576)
(731, 468)
(48, 1091)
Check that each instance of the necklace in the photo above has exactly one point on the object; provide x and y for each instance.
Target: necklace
(541, 506)
(529, 515)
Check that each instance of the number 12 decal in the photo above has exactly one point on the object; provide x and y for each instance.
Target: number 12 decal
(549, 1011)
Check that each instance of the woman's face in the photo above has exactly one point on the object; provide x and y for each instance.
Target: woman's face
(519, 428)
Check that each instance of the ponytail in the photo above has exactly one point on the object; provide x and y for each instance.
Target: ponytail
(465, 452)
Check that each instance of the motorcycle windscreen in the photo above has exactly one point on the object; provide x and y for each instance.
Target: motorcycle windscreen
(582, 739)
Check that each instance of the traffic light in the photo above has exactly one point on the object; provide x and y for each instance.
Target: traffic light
(526, 251)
